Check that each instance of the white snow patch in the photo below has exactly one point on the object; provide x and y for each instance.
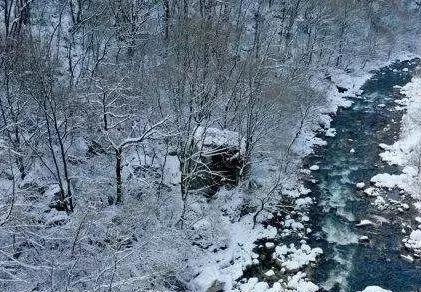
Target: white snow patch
(314, 168)
(331, 132)
(360, 185)
(415, 239)
(364, 223)
(375, 289)
(293, 258)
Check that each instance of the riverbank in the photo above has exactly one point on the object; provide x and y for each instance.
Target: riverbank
(247, 244)
(406, 154)
(358, 234)
(279, 230)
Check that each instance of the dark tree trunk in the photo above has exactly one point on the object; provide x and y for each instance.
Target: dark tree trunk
(167, 17)
(119, 181)
(104, 112)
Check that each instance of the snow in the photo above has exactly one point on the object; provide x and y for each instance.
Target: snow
(380, 203)
(375, 289)
(384, 146)
(217, 138)
(172, 173)
(52, 191)
(261, 287)
(371, 191)
(293, 258)
(364, 223)
(56, 217)
(299, 283)
(386, 180)
(314, 168)
(220, 266)
(303, 202)
(415, 239)
(400, 152)
(303, 190)
(207, 278)
(270, 273)
(293, 224)
(408, 258)
(331, 132)
(405, 153)
(269, 245)
(363, 238)
(360, 185)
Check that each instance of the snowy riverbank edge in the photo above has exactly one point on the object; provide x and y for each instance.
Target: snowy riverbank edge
(225, 266)
(406, 153)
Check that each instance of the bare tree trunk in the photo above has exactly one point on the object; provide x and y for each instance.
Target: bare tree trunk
(167, 18)
(12, 119)
(257, 21)
(119, 180)
(104, 111)
(7, 10)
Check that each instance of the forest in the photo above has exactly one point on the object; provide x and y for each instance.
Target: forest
(151, 145)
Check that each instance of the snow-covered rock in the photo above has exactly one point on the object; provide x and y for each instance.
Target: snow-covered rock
(405, 206)
(293, 258)
(331, 132)
(364, 223)
(372, 192)
(408, 258)
(270, 273)
(363, 238)
(269, 245)
(380, 203)
(303, 202)
(360, 185)
(415, 239)
(375, 289)
(314, 167)
(294, 225)
(213, 137)
(299, 283)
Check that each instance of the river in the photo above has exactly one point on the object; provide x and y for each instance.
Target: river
(349, 263)
(352, 156)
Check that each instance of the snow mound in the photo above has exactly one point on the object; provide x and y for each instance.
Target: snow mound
(365, 222)
(331, 132)
(375, 289)
(293, 258)
(217, 138)
(360, 185)
(314, 168)
(415, 239)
